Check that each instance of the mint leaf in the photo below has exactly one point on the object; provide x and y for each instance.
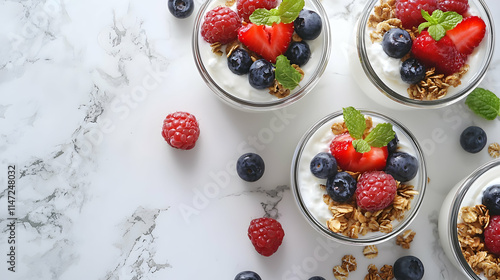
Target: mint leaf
(381, 135)
(355, 122)
(484, 103)
(289, 10)
(288, 76)
(265, 17)
(361, 146)
(439, 22)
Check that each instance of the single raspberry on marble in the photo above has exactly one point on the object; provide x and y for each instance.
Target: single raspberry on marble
(266, 235)
(181, 130)
(375, 190)
(220, 25)
(492, 235)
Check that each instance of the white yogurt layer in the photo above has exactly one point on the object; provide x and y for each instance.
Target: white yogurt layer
(238, 85)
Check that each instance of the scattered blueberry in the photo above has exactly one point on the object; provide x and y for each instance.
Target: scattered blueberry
(396, 42)
(408, 268)
(250, 167)
(298, 53)
(308, 24)
(491, 199)
(473, 139)
(402, 166)
(392, 146)
(317, 278)
(239, 62)
(412, 71)
(181, 8)
(247, 275)
(261, 74)
(341, 187)
(323, 165)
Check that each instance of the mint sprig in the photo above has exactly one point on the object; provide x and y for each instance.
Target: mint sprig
(484, 103)
(288, 76)
(439, 22)
(378, 137)
(286, 12)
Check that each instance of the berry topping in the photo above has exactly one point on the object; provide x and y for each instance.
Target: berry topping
(308, 25)
(473, 139)
(298, 53)
(442, 54)
(247, 275)
(492, 236)
(341, 187)
(459, 6)
(323, 165)
(412, 71)
(239, 62)
(266, 235)
(375, 190)
(221, 25)
(181, 130)
(409, 11)
(468, 34)
(402, 166)
(267, 41)
(250, 167)
(261, 74)
(180, 8)
(317, 278)
(491, 199)
(396, 42)
(246, 7)
(392, 146)
(408, 268)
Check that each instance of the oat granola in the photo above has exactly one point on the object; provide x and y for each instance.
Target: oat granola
(341, 272)
(494, 150)
(405, 238)
(370, 251)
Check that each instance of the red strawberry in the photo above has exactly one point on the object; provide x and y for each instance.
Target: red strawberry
(459, 6)
(350, 160)
(467, 34)
(442, 54)
(409, 11)
(267, 41)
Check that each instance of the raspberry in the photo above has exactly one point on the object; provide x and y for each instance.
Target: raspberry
(266, 235)
(375, 190)
(492, 235)
(221, 25)
(181, 130)
(409, 11)
(459, 6)
(246, 7)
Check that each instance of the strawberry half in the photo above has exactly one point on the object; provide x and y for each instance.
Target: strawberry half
(350, 160)
(468, 34)
(267, 41)
(442, 54)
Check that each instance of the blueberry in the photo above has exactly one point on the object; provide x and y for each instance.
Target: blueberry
(473, 139)
(341, 187)
(323, 165)
(239, 62)
(247, 275)
(412, 71)
(491, 199)
(408, 268)
(396, 42)
(298, 53)
(261, 74)
(308, 24)
(317, 278)
(402, 166)
(181, 8)
(250, 167)
(392, 146)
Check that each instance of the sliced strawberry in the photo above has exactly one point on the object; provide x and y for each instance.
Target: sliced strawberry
(468, 34)
(442, 54)
(350, 160)
(267, 41)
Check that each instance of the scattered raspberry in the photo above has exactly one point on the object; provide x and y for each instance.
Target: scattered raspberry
(459, 6)
(266, 235)
(409, 11)
(220, 25)
(181, 130)
(492, 235)
(375, 190)
(246, 7)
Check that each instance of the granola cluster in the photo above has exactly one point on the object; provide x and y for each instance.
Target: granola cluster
(494, 150)
(341, 272)
(470, 236)
(405, 238)
(385, 272)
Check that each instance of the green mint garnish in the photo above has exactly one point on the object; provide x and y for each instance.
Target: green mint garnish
(439, 22)
(286, 12)
(484, 103)
(381, 135)
(355, 122)
(361, 146)
(288, 76)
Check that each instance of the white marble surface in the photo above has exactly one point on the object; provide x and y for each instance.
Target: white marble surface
(84, 88)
